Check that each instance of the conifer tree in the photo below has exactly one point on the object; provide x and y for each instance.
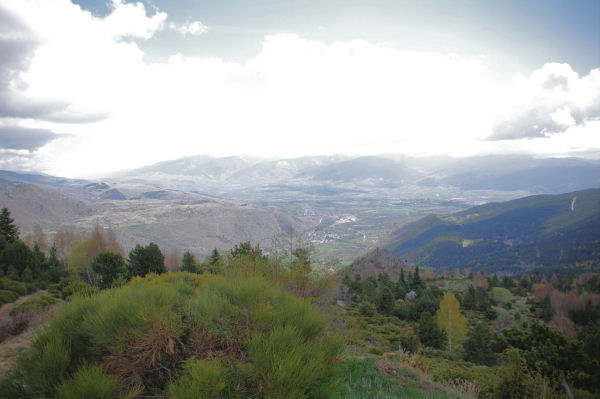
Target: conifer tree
(189, 263)
(385, 301)
(8, 229)
(110, 266)
(144, 260)
(416, 281)
(429, 333)
(478, 345)
(214, 261)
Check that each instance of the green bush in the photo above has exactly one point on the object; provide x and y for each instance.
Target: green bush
(90, 382)
(289, 366)
(261, 341)
(201, 379)
(78, 287)
(7, 296)
(33, 305)
(12, 285)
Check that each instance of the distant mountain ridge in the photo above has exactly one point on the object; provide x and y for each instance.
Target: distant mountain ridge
(541, 230)
(498, 172)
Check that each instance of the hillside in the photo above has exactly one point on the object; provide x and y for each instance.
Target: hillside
(375, 262)
(542, 230)
(137, 212)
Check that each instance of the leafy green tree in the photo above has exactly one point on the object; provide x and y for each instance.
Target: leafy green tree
(144, 260)
(385, 301)
(189, 263)
(430, 333)
(450, 319)
(8, 229)
(110, 266)
(478, 345)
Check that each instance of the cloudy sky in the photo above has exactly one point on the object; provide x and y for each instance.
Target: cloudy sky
(88, 87)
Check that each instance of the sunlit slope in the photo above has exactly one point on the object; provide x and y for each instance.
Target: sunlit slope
(546, 230)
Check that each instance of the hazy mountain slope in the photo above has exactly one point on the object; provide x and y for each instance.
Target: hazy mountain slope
(239, 176)
(364, 168)
(554, 175)
(537, 230)
(375, 262)
(32, 204)
(140, 213)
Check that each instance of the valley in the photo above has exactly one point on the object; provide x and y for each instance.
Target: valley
(340, 206)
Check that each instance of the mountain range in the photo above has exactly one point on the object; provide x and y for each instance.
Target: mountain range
(343, 206)
(531, 232)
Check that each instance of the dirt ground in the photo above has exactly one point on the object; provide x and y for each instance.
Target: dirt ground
(13, 346)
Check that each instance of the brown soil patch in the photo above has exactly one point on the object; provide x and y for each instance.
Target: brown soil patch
(13, 346)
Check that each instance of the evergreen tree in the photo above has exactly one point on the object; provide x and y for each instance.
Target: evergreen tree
(144, 260)
(8, 229)
(547, 310)
(478, 345)
(189, 263)
(384, 301)
(27, 275)
(18, 255)
(399, 290)
(517, 381)
(384, 280)
(54, 271)
(469, 299)
(416, 282)
(429, 333)
(110, 266)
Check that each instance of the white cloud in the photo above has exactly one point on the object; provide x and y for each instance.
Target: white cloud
(549, 101)
(130, 20)
(195, 28)
(295, 97)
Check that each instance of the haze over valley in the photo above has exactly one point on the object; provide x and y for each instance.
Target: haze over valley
(304, 199)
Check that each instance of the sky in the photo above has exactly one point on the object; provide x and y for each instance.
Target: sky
(88, 87)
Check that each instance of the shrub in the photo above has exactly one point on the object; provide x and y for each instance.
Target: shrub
(367, 309)
(90, 382)
(7, 296)
(78, 287)
(36, 304)
(12, 285)
(201, 379)
(247, 334)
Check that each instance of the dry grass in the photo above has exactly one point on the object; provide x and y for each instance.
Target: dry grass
(151, 360)
(464, 386)
(203, 345)
(17, 332)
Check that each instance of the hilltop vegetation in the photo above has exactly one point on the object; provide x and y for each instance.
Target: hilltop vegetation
(246, 324)
(554, 232)
(501, 338)
(186, 335)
